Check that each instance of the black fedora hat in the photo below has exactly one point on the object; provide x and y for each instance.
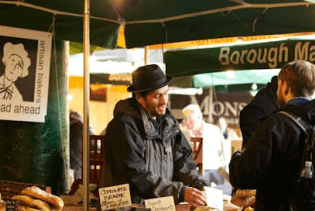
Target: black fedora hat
(148, 77)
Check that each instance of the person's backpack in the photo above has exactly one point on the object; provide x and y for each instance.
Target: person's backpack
(303, 194)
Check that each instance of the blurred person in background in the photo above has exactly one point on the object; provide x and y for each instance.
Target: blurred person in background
(227, 132)
(216, 150)
(192, 124)
(263, 104)
(76, 136)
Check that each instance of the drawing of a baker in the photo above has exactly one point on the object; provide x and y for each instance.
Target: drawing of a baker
(16, 62)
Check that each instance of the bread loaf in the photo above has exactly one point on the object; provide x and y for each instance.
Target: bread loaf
(238, 201)
(31, 202)
(249, 202)
(245, 193)
(203, 208)
(25, 208)
(20, 208)
(37, 193)
(244, 201)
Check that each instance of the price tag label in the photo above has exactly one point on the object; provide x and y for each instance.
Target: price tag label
(12, 205)
(115, 197)
(160, 204)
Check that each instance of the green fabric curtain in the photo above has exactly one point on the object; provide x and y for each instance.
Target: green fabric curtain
(38, 153)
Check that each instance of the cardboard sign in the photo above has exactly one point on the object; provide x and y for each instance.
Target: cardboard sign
(214, 198)
(12, 205)
(115, 197)
(160, 204)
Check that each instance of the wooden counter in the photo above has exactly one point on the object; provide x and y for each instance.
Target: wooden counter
(180, 207)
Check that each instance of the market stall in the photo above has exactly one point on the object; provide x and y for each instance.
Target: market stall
(150, 23)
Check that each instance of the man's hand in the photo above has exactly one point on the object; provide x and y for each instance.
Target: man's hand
(195, 197)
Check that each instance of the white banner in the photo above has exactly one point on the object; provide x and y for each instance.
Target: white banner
(24, 74)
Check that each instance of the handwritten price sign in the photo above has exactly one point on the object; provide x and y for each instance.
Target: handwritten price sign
(161, 204)
(115, 197)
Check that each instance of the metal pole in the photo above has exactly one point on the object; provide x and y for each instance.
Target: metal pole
(146, 50)
(210, 118)
(86, 107)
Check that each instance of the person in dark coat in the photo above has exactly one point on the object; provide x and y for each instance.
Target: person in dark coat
(273, 155)
(145, 147)
(76, 135)
(263, 104)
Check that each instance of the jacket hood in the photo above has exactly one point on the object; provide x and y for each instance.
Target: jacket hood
(273, 90)
(306, 110)
(274, 84)
(131, 107)
(266, 98)
(75, 117)
(128, 106)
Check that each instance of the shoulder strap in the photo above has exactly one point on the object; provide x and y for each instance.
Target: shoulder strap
(298, 120)
(308, 129)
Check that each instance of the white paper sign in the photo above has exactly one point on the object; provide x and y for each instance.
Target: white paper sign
(160, 204)
(214, 198)
(115, 197)
(24, 74)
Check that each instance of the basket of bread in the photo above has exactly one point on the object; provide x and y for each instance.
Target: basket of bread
(35, 199)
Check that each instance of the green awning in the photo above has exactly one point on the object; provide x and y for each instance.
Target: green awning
(224, 79)
(114, 79)
(163, 21)
(263, 55)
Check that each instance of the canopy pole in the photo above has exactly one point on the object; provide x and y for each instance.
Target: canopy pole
(86, 107)
(146, 50)
(210, 118)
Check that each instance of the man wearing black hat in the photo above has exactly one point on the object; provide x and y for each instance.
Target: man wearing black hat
(145, 147)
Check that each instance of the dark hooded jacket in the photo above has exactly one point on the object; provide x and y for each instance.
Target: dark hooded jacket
(263, 104)
(76, 135)
(154, 164)
(272, 157)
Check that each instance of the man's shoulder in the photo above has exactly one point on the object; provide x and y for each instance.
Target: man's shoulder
(121, 121)
(252, 108)
(123, 118)
(121, 126)
(277, 120)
